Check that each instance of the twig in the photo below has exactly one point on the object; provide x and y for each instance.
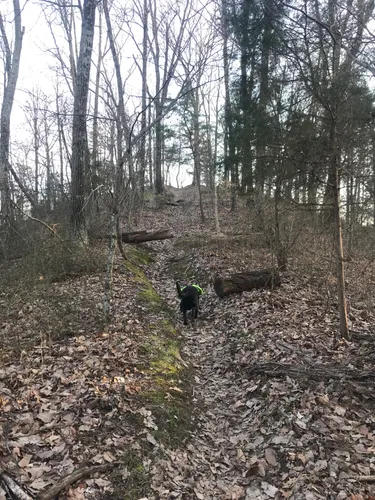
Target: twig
(53, 231)
(72, 478)
(315, 372)
(366, 479)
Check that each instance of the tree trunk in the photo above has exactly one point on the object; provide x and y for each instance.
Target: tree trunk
(48, 165)
(261, 139)
(280, 248)
(143, 158)
(165, 63)
(94, 170)
(60, 139)
(344, 329)
(11, 70)
(229, 144)
(150, 152)
(122, 125)
(334, 175)
(159, 183)
(36, 150)
(79, 160)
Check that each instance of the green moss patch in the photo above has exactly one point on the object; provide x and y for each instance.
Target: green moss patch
(168, 392)
(136, 482)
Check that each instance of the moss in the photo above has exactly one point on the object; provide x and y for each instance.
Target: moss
(149, 295)
(136, 484)
(138, 256)
(164, 355)
(166, 396)
(168, 327)
(171, 409)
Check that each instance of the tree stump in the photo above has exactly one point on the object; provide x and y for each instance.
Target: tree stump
(241, 282)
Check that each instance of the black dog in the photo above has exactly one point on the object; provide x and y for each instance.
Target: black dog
(189, 300)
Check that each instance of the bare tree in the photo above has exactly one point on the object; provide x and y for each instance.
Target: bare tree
(80, 156)
(143, 158)
(11, 70)
(166, 42)
(121, 118)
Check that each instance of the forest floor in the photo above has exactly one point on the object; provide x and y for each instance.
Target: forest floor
(258, 400)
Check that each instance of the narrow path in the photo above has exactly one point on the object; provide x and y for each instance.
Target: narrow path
(211, 465)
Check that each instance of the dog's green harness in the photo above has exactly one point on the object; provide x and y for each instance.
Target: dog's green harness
(198, 289)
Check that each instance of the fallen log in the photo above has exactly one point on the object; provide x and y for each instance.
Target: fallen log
(141, 236)
(241, 282)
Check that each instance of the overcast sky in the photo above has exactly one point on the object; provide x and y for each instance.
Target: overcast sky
(35, 67)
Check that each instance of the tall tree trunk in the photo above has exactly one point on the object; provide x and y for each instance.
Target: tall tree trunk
(122, 125)
(197, 146)
(143, 158)
(344, 328)
(48, 165)
(334, 174)
(246, 87)
(80, 157)
(94, 171)
(165, 63)
(261, 139)
(60, 139)
(11, 70)
(229, 143)
(36, 151)
(159, 182)
(150, 152)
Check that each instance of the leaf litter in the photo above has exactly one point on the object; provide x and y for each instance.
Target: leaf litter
(280, 408)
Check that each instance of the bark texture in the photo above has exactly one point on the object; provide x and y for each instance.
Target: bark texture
(80, 156)
(241, 282)
(11, 70)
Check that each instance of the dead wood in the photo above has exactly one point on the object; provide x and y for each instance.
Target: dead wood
(51, 493)
(312, 372)
(177, 203)
(241, 282)
(141, 236)
(13, 489)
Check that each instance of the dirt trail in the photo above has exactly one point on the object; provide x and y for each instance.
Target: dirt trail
(210, 465)
(261, 436)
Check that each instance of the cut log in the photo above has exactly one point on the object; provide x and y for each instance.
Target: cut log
(241, 282)
(141, 236)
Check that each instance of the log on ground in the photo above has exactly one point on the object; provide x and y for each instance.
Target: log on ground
(241, 282)
(141, 236)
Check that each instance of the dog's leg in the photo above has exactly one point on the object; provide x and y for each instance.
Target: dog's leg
(178, 289)
(185, 317)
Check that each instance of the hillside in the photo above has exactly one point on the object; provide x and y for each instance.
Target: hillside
(258, 400)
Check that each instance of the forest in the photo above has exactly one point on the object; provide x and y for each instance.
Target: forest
(228, 144)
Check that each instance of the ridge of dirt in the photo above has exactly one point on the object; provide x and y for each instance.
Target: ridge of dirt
(92, 395)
